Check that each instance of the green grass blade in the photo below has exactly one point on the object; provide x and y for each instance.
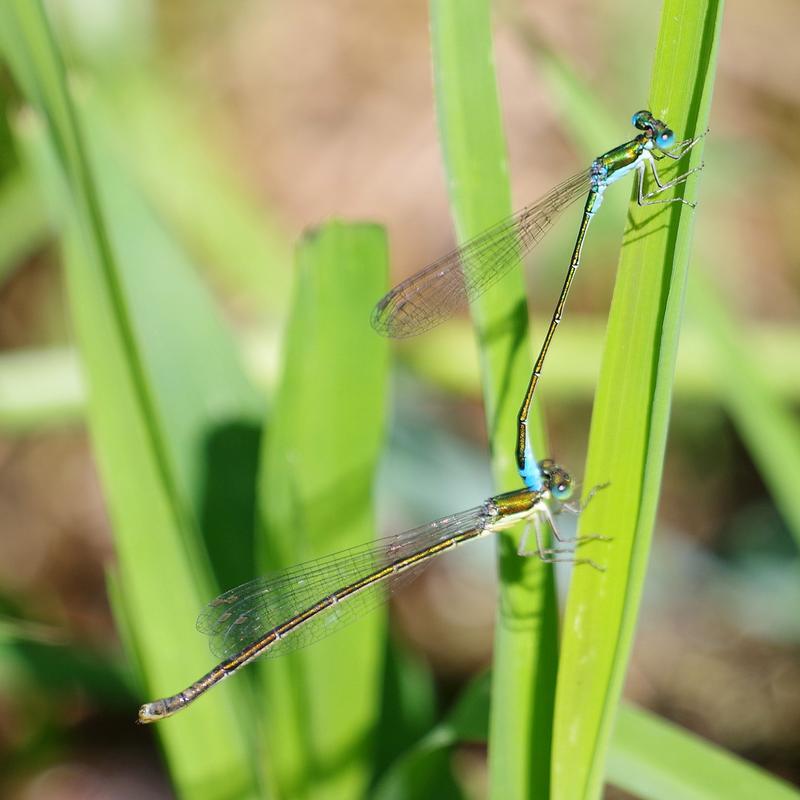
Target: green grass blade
(753, 393)
(630, 419)
(210, 448)
(40, 389)
(43, 387)
(648, 756)
(315, 495)
(119, 308)
(171, 153)
(652, 758)
(475, 160)
(187, 460)
(750, 392)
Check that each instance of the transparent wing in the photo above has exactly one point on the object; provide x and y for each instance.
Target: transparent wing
(242, 615)
(436, 292)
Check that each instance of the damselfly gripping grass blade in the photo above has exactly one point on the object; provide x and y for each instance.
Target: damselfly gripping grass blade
(284, 612)
(437, 291)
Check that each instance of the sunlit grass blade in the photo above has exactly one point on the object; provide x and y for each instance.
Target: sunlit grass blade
(648, 757)
(166, 146)
(652, 758)
(629, 421)
(211, 446)
(142, 324)
(40, 389)
(714, 363)
(315, 495)
(475, 159)
(51, 393)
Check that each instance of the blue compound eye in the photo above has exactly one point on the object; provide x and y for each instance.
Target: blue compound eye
(561, 491)
(665, 139)
(642, 120)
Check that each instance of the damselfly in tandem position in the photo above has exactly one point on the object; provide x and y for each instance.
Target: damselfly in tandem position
(445, 286)
(276, 614)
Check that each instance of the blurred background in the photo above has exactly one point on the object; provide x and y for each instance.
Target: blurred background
(244, 123)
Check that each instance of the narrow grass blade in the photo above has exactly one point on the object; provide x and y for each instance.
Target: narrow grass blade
(753, 392)
(629, 421)
(315, 496)
(655, 759)
(52, 394)
(750, 392)
(173, 156)
(126, 315)
(40, 389)
(475, 159)
(648, 756)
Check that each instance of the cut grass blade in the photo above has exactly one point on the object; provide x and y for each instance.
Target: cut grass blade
(475, 160)
(315, 496)
(629, 421)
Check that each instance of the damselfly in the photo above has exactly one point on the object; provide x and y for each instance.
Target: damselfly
(443, 287)
(283, 612)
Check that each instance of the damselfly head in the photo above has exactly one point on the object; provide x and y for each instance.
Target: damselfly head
(642, 120)
(663, 137)
(556, 479)
(654, 129)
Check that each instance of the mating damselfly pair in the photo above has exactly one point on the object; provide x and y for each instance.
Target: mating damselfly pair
(294, 608)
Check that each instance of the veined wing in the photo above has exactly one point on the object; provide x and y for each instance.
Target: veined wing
(243, 615)
(436, 292)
